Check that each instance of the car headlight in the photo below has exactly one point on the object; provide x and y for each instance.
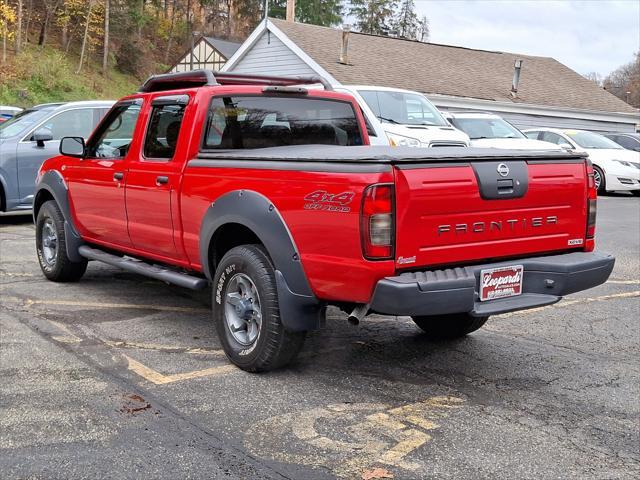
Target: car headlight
(396, 140)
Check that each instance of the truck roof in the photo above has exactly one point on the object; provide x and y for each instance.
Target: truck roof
(208, 78)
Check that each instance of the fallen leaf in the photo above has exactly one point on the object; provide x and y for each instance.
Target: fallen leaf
(376, 473)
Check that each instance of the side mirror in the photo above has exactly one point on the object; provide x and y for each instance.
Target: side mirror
(566, 146)
(42, 135)
(72, 147)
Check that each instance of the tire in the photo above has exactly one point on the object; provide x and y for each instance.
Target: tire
(51, 247)
(601, 185)
(253, 338)
(449, 326)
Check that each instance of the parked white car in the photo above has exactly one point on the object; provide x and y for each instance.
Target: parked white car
(403, 118)
(615, 168)
(487, 130)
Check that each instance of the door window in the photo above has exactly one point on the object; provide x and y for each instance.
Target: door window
(114, 137)
(72, 123)
(553, 138)
(627, 142)
(163, 130)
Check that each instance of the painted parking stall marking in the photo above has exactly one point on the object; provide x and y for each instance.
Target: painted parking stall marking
(350, 438)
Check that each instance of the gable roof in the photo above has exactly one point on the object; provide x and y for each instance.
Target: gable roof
(225, 47)
(448, 70)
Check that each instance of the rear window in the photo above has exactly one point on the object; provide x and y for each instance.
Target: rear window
(260, 122)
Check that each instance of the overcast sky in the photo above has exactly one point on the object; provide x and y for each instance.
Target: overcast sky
(586, 35)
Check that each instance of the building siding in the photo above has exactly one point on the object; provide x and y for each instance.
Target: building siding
(269, 56)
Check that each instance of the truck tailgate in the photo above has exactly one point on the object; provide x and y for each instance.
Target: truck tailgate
(487, 209)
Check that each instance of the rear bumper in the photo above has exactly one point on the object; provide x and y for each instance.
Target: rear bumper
(440, 292)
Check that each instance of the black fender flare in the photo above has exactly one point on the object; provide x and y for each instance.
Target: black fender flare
(300, 310)
(53, 183)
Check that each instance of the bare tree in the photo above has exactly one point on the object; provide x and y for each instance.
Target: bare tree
(424, 31)
(624, 82)
(19, 28)
(50, 8)
(86, 35)
(595, 77)
(105, 50)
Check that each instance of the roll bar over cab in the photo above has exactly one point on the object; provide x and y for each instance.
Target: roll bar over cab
(268, 192)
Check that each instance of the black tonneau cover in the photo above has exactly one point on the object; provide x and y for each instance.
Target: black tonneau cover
(384, 154)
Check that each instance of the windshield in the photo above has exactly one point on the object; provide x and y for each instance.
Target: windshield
(478, 128)
(402, 108)
(21, 122)
(592, 140)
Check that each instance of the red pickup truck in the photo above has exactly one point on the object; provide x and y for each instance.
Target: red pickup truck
(267, 192)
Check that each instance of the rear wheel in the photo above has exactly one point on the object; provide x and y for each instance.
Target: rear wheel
(246, 312)
(599, 180)
(51, 247)
(449, 326)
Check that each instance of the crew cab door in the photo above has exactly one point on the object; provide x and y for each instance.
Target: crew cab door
(96, 182)
(153, 180)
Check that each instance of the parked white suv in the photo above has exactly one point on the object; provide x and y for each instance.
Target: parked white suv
(614, 167)
(403, 118)
(487, 130)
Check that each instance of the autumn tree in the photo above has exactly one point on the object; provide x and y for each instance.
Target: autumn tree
(7, 19)
(624, 82)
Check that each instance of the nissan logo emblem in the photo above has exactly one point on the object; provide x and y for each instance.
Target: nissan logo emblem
(503, 170)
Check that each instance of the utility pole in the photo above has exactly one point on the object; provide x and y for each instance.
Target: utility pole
(291, 11)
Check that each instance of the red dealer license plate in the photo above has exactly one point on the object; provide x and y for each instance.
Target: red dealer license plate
(501, 282)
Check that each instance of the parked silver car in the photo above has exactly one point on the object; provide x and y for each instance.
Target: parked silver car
(33, 136)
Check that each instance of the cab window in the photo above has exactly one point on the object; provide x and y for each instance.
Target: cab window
(259, 122)
(115, 134)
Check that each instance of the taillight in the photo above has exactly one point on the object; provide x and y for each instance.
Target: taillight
(376, 222)
(592, 202)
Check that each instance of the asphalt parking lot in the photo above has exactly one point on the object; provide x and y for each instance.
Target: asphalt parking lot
(122, 377)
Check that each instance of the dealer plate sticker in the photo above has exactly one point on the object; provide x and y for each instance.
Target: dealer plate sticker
(501, 282)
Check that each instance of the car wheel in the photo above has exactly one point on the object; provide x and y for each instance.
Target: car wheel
(51, 246)
(449, 326)
(599, 180)
(246, 312)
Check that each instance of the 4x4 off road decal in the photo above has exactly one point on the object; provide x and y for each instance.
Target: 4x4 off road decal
(329, 202)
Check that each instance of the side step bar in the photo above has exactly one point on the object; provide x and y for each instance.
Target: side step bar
(142, 268)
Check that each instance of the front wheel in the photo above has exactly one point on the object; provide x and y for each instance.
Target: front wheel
(450, 326)
(51, 247)
(246, 312)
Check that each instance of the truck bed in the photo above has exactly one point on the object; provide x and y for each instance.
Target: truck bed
(383, 154)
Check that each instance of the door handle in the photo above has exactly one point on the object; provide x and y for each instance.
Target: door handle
(162, 180)
(118, 176)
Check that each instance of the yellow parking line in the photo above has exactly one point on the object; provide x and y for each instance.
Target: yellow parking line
(567, 303)
(72, 303)
(624, 282)
(163, 348)
(159, 379)
(68, 338)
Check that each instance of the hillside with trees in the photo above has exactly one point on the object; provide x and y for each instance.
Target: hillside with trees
(56, 50)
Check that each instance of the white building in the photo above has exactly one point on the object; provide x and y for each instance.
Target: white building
(548, 94)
